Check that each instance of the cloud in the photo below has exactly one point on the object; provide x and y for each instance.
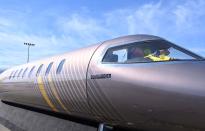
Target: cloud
(83, 27)
(5, 22)
(54, 32)
(160, 18)
(189, 16)
(45, 46)
(181, 22)
(199, 50)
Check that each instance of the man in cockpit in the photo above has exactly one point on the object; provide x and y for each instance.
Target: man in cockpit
(164, 55)
(160, 55)
(135, 54)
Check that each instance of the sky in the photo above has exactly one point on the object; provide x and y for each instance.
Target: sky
(59, 26)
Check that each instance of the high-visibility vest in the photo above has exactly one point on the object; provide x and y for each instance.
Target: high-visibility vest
(160, 58)
(164, 58)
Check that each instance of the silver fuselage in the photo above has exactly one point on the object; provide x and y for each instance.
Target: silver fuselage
(166, 95)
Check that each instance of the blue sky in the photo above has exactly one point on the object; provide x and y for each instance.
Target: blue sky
(58, 26)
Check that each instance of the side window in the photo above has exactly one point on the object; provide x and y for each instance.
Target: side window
(30, 73)
(49, 68)
(174, 53)
(14, 75)
(39, 70)
(60, 66)
(20, 73)
(24, 72)
(121, 55)
(118, 55)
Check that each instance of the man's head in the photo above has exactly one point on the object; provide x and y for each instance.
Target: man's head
(137, 52)
(164, 52)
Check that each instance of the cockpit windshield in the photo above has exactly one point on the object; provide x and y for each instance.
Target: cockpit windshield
(148, 51)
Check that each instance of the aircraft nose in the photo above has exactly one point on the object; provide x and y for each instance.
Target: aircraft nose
(191, 78)
(181, 77)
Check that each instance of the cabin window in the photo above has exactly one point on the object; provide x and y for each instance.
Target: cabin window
(15, 73)
(11, 75)
(39, 70)
(148, 51)
(49, 68)
(60, 66)
(20, 73)
(31, 71)
(24, 72)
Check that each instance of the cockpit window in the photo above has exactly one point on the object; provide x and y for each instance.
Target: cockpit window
(148, 51)
(119, 56)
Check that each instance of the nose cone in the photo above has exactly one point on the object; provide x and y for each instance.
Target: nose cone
(186, 77)
(186, 93)
(190, 78)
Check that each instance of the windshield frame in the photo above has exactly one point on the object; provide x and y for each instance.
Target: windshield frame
(195, 56)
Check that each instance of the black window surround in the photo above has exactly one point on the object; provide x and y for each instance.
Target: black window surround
(60, 67)
(31, 71)
(49, 68)
(39, 70)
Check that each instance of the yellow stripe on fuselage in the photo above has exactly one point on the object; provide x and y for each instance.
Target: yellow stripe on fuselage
(54, 91)
(44, 94)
